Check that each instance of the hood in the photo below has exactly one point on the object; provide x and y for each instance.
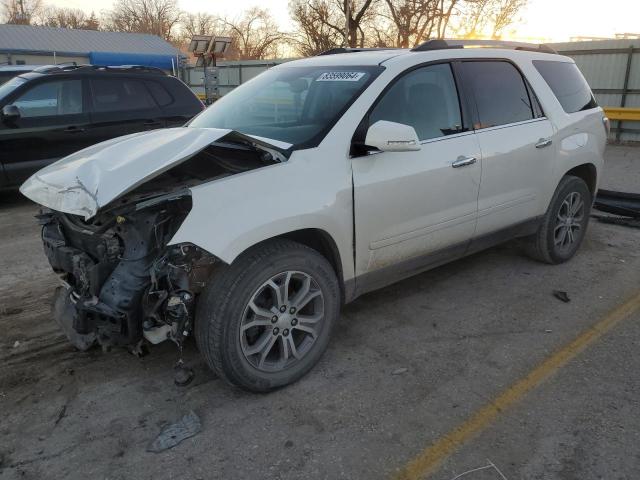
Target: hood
(87, 180)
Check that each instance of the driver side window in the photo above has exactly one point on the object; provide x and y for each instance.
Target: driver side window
(426, 99)
(62, 97)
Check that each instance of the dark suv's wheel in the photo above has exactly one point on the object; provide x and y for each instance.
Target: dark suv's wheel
(265, 321)
(565, 223)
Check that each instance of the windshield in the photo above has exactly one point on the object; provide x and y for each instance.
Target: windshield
(296, 105)
(8, 87)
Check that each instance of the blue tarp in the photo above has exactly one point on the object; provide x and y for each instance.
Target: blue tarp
(115, 58)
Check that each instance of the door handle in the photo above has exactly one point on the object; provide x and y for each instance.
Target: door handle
(74, 130)
(152, 123)
(463, 161)
(544, 142)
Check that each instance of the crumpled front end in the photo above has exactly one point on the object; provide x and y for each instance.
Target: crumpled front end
(121, 281)
(111, 212)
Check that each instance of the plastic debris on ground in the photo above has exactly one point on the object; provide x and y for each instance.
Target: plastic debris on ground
(173, 434)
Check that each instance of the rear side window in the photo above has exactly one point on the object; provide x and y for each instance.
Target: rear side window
(567, 84)
(426, 99)
(159, 93)
(500, 93)
(118, 94)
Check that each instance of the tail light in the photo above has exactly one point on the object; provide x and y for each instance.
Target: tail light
(607, 125)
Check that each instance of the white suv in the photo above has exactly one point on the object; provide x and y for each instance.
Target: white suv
(317, 181)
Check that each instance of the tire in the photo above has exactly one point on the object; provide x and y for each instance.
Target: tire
(548, 244)
(238, 312)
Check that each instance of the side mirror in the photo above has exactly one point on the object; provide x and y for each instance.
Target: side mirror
(10, 113)
(392, 137)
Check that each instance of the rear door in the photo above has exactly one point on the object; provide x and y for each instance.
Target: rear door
(516, 143)
(53, 123)
(121, 105)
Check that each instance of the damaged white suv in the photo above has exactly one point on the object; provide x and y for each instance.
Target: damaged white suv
(317, 181)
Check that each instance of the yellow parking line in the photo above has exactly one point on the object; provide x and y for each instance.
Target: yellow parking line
(427, 461)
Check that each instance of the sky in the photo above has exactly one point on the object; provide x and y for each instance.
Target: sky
(544, 20)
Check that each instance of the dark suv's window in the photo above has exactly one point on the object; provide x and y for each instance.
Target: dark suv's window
(426, 99)
(567, 84)
(500, 93)
(62, 97)
(120, 94)
(161, 95)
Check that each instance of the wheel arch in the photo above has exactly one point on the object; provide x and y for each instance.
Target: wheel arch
(323, 243)
(587, 172)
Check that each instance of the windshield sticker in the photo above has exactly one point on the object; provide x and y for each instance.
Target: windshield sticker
(340, 77)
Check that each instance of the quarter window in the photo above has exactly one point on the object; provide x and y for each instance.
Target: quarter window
(63, 97)
(567, 84)
(500, 93)
(426, 99)
(160, 94)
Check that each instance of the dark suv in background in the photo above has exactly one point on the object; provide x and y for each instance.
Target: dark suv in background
(54, 111)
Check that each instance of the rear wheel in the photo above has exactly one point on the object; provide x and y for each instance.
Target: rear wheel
(565, 223)
(265, 321)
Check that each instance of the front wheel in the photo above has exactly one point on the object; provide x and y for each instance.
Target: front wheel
(565, 223)
(265, 321)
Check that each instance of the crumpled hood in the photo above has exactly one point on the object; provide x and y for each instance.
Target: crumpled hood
(87, 180)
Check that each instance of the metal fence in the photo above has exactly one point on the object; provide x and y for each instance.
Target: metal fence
(612, 68)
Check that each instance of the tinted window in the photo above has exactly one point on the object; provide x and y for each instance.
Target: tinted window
(500, 93)
(159, 93)
(568, 85)
(426, 99)
(120, 94)
(63, 97)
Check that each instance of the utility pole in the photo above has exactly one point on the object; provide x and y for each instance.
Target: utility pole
(347, 14)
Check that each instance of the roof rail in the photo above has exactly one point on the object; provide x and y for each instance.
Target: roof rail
(454, 43)
(72, 66)
(333, 51)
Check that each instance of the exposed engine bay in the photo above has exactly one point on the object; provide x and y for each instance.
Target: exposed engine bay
(121, 282)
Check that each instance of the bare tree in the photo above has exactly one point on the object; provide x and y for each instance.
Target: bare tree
(357, 14)
(20, 12)
(255, 35)
(158, 17)
(316, 31)
(488, 17)
(51, 16)
(200, 23)
(328, 19)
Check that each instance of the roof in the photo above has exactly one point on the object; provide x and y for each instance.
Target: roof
(363, 58)
(64, 41)
(431, 50)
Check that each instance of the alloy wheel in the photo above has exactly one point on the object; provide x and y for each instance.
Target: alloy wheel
(568, 227)
(282, 321)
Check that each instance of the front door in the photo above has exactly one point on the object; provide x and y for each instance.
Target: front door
(416, 209)
(53, 123)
